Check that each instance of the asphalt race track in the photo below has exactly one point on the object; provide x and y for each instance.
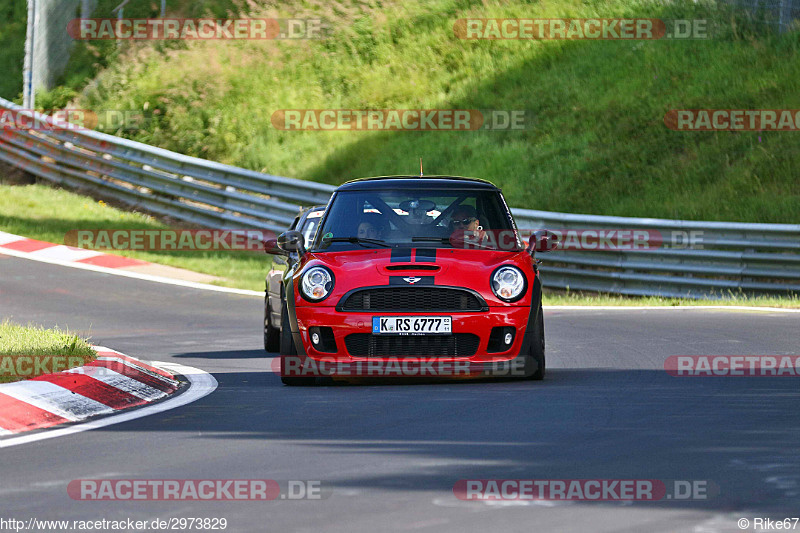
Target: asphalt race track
(388, 456)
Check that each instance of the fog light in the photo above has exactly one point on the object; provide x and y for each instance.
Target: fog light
(315, 338)
(501, 339)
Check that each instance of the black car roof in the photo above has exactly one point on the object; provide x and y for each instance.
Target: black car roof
(417, 183)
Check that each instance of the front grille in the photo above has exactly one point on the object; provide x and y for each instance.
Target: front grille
(412, 299)
(368, 345)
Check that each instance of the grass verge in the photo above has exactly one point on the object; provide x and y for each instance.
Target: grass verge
(615, 300)
(44, 213)
(30, 351)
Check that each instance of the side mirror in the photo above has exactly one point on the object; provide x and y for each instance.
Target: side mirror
(271, 247)
(292, 241)
(542, 241)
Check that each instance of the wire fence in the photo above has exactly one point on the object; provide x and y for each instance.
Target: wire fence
(52, 45)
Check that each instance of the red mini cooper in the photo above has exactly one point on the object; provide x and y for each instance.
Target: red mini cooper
(412, 276)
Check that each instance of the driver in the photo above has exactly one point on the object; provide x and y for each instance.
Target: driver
(465, 218)
(466, 227)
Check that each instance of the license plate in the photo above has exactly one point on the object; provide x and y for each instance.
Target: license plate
(412, 325)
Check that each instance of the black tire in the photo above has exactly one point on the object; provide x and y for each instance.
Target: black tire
(536, 355)
(289, 349)
(272, 335)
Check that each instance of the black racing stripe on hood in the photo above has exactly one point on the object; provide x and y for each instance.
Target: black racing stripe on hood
(401, 255)
(425, 255)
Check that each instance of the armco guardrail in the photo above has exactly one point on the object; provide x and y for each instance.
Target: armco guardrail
(728, 257)
(160, 181)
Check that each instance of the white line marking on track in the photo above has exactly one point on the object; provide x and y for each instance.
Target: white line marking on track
(134, 275)
(4, 432)
(100, 349)
(201, 384)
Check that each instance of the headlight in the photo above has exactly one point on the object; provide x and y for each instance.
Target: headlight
(508, 283)
(316, 284)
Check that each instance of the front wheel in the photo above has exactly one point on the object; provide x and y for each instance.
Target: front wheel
(272, 335)
(535, 356)
(289, 351)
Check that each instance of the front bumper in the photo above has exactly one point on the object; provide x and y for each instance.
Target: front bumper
(343, 363)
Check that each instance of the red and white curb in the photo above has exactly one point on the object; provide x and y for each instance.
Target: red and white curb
(108, 385)
(59, 252)
(69, 256)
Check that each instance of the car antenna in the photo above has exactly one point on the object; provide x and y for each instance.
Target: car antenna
(420, 167)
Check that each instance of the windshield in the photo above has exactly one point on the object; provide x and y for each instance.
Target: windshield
(477, 219)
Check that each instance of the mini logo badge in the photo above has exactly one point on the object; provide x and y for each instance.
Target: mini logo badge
(412, 280)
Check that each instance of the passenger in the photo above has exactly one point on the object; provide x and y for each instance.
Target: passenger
(371, 227)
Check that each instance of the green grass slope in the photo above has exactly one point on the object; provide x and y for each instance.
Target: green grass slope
(88, 57)
(29, 351)
(597, 142)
